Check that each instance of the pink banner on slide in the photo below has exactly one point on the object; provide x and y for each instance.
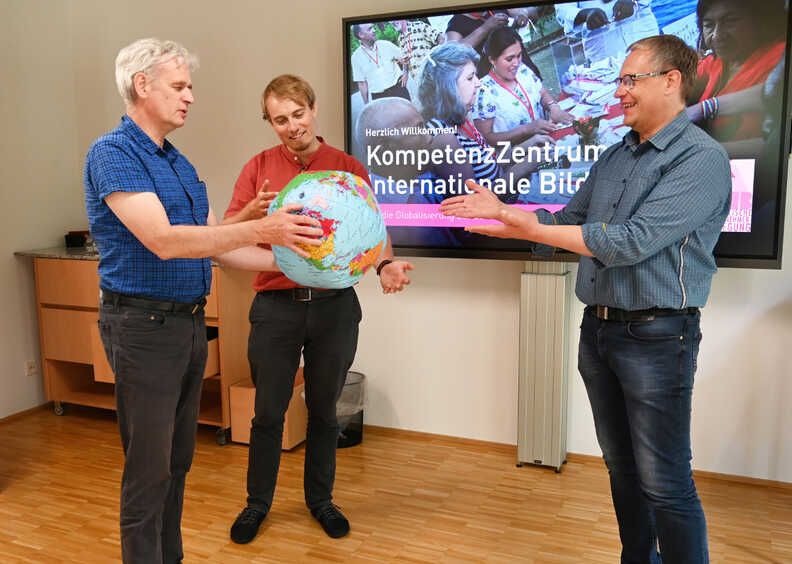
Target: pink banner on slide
(739, 219)
(428, 215)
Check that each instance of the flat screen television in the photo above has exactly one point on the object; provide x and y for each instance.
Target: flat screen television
(537, 139)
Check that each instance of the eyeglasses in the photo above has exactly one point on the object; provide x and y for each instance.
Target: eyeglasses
(628, 80)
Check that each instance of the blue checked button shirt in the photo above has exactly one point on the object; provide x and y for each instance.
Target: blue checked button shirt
(651, 214)
(127, 160)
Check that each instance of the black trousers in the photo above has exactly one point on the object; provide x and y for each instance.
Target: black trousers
(158, 360)
(325, 331)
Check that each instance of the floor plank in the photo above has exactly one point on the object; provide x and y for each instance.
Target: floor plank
(410, 497)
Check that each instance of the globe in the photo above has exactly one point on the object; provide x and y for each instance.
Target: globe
(353, 229)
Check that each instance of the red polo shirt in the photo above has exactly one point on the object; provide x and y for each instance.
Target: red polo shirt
(279, 166)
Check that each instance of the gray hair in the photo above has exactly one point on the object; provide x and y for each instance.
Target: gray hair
(438, 91)
(145, 55)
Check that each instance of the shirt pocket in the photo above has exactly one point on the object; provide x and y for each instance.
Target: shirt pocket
(635, 191)
(605, 198)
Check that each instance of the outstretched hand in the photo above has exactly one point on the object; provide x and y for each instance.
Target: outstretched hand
(482, 203)
(511, 228)
(393, 276)
(290, 230)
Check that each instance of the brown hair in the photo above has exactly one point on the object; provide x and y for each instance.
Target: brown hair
(670, 52)
(290, 87)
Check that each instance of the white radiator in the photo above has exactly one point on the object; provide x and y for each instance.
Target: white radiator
(545, 301)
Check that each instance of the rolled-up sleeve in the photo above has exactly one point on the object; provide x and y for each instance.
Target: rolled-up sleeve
(574, 213)
(690, 194)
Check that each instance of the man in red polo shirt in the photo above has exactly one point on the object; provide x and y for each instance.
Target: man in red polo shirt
(287, 320)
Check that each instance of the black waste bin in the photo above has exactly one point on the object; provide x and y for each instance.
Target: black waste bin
(349, 410)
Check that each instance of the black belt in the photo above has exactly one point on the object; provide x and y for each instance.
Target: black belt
(108, 297)
(301, 294)
(615, 314)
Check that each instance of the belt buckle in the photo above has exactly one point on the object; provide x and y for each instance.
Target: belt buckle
(301, 294)
(195, 308)
(602, 312)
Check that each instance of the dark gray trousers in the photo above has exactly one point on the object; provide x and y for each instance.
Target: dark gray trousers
(158, 360)
(325, 331)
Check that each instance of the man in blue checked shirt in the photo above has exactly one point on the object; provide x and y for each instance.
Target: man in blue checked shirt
(645, 223)
(151, 220)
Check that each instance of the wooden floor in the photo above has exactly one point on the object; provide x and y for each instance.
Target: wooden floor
(409, 497)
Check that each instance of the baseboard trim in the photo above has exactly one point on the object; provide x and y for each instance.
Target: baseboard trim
(20, 414)
(597, 460)
(439, 439)
(587, 459)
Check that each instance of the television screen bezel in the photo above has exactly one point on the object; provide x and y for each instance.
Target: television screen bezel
(772, 262)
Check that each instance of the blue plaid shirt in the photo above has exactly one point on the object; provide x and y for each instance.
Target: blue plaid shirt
(651, 214)
(127, 160)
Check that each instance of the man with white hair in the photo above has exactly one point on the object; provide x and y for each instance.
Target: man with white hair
(150, 217)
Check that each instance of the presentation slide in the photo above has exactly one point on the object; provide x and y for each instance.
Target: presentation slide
(522, 101)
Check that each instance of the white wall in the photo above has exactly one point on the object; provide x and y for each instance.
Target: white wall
(41, 185)
(440, 358)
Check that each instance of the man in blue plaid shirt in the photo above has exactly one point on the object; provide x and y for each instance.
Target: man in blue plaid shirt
(150, 217)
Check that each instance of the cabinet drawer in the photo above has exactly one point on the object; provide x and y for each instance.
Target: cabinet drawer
(67, 282)
(66, 334)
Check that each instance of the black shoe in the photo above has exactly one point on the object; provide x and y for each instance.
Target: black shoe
(247, 525)
(332, 521)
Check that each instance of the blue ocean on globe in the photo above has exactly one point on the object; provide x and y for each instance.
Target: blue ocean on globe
(353, 231)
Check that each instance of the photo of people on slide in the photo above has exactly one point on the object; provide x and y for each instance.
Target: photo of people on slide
(522, 100)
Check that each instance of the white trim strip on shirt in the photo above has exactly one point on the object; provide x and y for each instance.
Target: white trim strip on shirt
(681, 267)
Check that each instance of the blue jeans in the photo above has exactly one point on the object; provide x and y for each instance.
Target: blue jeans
(639, 379)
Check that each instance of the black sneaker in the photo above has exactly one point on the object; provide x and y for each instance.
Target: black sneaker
(247, 525)
(332, 521)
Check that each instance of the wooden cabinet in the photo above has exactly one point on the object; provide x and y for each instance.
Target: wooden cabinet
(74, 364)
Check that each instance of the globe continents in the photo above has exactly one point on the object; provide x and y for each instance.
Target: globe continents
(353, 229)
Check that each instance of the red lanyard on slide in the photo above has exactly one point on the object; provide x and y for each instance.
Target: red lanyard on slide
(526, 102)
(376, 53)
(474, 133)
(491, 13)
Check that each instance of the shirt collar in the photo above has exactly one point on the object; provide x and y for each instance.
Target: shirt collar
(664, 137)
(129, 127)
(291, 157)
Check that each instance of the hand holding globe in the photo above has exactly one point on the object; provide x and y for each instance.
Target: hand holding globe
(353, 231)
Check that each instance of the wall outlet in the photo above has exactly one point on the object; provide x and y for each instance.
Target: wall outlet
(30, 368)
